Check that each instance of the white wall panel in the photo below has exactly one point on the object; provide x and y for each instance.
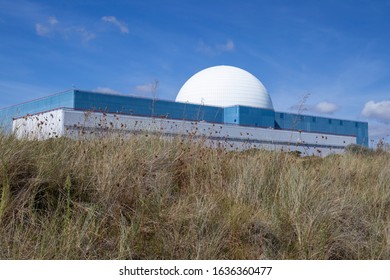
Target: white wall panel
(79, 124)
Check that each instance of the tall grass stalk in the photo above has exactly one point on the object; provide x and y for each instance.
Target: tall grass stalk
(5, 194)
(145, 197)
(68, 186)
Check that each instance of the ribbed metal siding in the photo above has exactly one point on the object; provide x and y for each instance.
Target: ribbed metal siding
(323, 125)
(250, 116)
(137, 106)
(60, 100)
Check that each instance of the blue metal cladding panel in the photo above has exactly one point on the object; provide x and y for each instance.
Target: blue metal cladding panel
(231, 115)
(146, 107)
(256, 117)
(93, 101)
(323, 125)
(292, 121)
(362, 133)
(59, 100)
(184, 111)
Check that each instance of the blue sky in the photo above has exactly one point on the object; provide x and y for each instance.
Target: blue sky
(335, 52)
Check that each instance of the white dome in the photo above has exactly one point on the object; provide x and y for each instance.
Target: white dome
(225, 86)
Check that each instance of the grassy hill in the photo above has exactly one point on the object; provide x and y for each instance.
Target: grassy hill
(146, 198)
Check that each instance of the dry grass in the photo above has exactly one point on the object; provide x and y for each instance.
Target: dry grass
(146, 198)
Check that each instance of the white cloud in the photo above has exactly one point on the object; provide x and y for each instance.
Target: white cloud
(144, 88)
(106, 90)
(326, 107)
(113, 20)
(204, 48)
(52, 28)
(228, 47)
(379, 111)
(53, 20)
(42, 30)
(148, 89)
(85, 34)
(46, 29)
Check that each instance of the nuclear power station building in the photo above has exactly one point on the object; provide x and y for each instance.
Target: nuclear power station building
(224, 105)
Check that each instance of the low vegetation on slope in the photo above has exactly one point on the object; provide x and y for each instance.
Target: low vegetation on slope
(146, 198)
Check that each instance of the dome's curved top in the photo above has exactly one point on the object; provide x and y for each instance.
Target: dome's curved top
(225, 86)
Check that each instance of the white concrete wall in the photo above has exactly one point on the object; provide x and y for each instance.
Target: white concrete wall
(40, 126)
(79, 124)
